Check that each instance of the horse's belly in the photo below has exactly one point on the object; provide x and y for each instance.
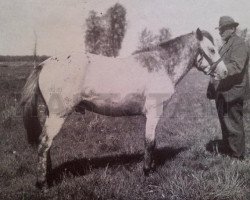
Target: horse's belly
(110, 105)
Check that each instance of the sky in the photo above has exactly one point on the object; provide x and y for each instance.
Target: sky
(60, 24)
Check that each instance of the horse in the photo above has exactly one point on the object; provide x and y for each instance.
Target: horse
(112, 87)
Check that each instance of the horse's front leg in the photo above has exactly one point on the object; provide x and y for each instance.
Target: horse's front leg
(51, 128)
(151, 123)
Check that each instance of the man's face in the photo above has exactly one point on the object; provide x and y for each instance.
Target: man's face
(226, 32)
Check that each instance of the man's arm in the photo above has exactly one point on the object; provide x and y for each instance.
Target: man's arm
(238, 59)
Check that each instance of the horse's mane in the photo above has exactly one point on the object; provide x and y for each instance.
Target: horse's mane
(177, 40)
(165, 44)
(172, 42)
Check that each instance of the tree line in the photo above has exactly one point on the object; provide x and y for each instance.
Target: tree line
(105, 33)
(28, 58)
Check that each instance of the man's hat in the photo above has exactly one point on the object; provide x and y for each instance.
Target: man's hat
(226, 21)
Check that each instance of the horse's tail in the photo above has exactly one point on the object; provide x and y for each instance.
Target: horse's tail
(29, 104)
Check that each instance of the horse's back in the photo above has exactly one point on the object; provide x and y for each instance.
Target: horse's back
(115, 75)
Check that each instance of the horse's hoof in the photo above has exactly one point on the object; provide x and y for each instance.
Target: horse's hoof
(149, 170)
(146, 171)
(42, 185)
(153, 169)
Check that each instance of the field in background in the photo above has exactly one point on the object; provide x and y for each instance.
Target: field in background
(98, 157)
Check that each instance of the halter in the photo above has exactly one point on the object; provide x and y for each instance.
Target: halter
(213, 65)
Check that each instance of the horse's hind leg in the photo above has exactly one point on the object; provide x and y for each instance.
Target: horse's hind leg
(151, 123)
(80, 108)
(51, 128)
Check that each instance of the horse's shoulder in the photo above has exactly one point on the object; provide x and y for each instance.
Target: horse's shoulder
(160, 82)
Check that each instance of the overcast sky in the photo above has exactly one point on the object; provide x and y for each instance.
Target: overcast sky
(60, 24)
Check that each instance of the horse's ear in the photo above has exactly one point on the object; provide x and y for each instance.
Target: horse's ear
(199, 34)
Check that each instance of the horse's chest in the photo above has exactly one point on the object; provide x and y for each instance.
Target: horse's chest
(159, 86)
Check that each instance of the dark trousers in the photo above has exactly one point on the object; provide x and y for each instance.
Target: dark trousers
(231, 121)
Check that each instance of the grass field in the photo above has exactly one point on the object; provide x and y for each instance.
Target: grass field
(98, 157)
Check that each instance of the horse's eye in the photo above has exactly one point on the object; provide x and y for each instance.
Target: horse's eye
(212, 51)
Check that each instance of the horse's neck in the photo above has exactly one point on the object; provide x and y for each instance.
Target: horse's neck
(180, 58)
(181, 70)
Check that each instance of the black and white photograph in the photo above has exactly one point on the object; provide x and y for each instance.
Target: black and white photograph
(125, 100)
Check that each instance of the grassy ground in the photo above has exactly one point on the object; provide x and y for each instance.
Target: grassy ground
(98, 157)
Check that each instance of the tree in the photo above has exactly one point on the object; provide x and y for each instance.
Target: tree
(104, 34)
(152, 60)
(147, 39)
(94, 33)
(164, 35)
(115, 33)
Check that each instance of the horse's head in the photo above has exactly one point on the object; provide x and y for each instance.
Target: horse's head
(207, 58)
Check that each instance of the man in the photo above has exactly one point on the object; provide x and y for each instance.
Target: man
(230, 93)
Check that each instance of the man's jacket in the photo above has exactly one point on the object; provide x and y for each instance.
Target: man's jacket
(236, 85)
